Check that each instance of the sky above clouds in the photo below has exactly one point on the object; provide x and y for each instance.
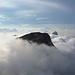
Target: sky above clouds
(37, 12)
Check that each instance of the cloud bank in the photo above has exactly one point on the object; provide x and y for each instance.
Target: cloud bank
(18, 57)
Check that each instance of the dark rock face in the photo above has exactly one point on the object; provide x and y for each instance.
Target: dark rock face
(39, 38)
(55, 33)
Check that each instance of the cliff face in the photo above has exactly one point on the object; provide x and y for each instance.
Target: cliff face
(39, 38)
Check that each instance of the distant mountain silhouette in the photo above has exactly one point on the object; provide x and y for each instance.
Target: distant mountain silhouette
(55, 33)
(37, 37)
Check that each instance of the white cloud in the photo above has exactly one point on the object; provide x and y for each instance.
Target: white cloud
(2, 17)
(64, 42)
(25, 13)
(31, 15)
(31, 8)
(20, 57)
(56, 5)
(7, 4)
(49, 4)
(24, 25)
(42, 18)
(46, 3)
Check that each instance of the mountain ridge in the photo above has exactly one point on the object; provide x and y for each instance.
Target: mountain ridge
(38, 37)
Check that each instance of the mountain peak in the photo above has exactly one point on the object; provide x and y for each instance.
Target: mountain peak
(55, 33)
(38, 37)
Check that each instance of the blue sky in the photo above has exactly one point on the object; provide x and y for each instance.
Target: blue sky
(37, 12)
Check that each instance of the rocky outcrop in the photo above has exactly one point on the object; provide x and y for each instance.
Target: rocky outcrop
(55, 33)
(37, 37)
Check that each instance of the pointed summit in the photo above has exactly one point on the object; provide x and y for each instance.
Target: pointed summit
(55, 33)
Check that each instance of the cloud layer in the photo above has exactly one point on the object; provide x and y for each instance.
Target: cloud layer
(18, 57)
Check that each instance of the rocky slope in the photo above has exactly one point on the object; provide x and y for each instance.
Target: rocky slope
(38, 37)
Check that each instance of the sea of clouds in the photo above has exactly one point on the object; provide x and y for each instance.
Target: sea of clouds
(18, 57)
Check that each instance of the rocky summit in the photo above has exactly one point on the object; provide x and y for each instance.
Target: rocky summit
(55, 33)
(37, 37)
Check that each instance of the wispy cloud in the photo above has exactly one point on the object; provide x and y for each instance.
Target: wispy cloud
(30, 8)
(26, 7)
(56, 5)
(7, 4)
(24, 25)
(25, 13)
(33, 10)
(2, 17)
(42, 18)
(46, 4)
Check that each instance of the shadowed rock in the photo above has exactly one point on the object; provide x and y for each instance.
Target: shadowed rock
(39, 38)
(55, 33)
